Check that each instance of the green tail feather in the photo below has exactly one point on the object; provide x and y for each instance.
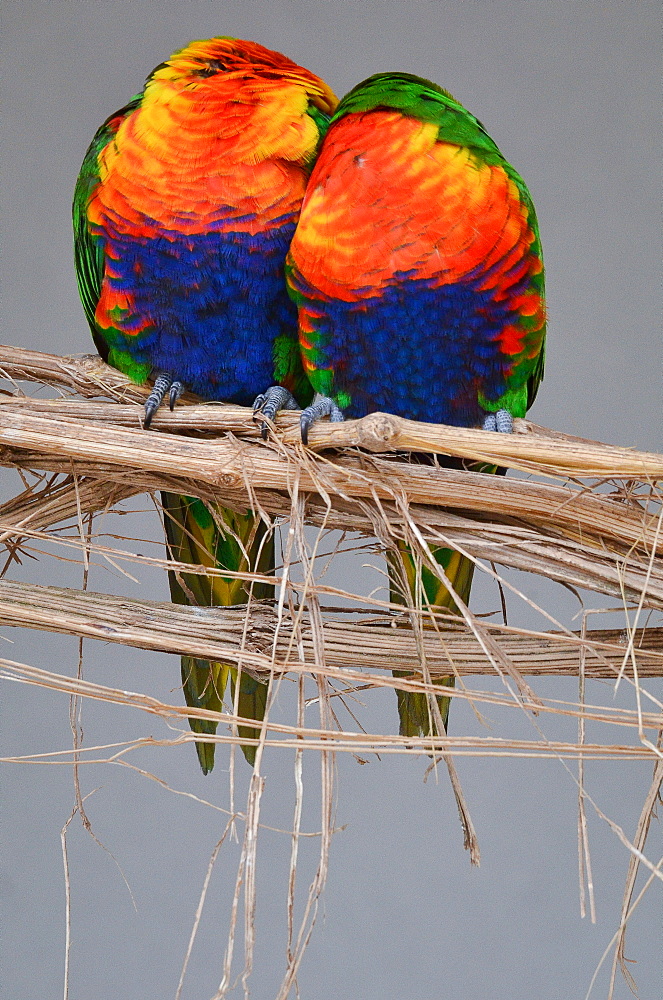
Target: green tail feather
(203, 683)
(414, 710)
(197, 535)
(251, 704)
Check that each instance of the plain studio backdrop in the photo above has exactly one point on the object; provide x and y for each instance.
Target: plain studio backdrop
(566, 88)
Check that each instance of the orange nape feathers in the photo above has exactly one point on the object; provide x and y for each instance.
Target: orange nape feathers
(221, 139)
(463, 216)
(237, 60)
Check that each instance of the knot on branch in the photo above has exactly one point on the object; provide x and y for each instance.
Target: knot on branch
(229, 480)
(378, 430)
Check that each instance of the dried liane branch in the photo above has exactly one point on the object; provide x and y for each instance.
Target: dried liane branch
(590, 519)
(360, 644)
(582, 537)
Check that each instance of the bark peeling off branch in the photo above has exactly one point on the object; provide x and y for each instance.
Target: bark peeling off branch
(545, 551)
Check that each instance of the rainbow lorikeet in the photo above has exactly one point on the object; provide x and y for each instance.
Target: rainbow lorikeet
(417, 271)
(184, 209)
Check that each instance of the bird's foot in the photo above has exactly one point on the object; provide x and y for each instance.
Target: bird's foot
(502, 422)
(163, 383)
(322, 406)
(268, 404)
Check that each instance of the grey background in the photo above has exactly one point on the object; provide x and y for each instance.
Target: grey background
(567, 91)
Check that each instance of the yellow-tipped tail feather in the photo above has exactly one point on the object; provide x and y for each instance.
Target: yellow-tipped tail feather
(415, 711)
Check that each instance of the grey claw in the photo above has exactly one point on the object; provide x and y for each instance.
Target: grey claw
(162, 384)
(322, 406)
(268, 404)
(176, 391)
(502, 422)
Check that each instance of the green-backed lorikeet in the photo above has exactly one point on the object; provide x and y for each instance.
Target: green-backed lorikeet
(416, 268)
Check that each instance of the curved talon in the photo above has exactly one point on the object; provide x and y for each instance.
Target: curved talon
(322, 406)
(268, 404)
(501, 422)
(176, 391)
(162, 384)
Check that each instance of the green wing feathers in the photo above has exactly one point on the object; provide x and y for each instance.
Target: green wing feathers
(206, 535)
(88, 249)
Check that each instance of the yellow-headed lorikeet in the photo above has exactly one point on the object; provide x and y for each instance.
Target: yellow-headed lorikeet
(184, 209)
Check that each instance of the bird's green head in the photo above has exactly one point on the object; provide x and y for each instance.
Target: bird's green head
(415, 97)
